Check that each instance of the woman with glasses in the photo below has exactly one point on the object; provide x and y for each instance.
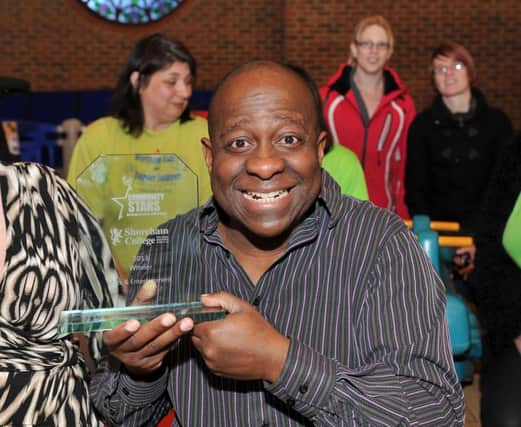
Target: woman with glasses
(453, 144)
(368, 110)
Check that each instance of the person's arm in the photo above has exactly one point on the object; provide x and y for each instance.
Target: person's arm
(345, 168)
(399, 185)
(405, 374)
(91, 188)
(85, 151)
(123, 399)
(417, 186)
(99, 279)
(504, 133)
(130, 386)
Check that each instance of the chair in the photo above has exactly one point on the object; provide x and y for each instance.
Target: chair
(69, 131)
(465, 336)
(38, 143)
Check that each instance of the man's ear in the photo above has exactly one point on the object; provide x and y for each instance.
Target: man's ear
(321, 145)
(134, 79)
(207, 152)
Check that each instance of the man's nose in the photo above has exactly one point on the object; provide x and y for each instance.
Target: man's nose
(265, 162)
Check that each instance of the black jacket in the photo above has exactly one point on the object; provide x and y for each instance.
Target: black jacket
(450, 159)
(497, 277)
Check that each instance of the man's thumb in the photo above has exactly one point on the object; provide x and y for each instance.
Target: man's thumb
(146, 293)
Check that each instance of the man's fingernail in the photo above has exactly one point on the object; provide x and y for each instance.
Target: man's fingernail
(132, 326)
(185, 325)
(167, 321)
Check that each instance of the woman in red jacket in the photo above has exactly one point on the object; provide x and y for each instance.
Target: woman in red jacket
(368, 110)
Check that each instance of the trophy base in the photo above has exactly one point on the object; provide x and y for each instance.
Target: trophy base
(104, 319)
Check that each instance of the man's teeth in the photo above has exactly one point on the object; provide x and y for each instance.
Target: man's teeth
(266, 197)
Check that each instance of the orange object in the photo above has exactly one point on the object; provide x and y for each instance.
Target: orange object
(445, 226)
(439, 225)
(455, 241)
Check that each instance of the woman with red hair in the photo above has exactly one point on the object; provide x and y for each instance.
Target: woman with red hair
(453, 144)
(452, 147)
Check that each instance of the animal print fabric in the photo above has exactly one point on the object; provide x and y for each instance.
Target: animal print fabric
(56, 259)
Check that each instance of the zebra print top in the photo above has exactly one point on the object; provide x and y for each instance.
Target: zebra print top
(56, 258)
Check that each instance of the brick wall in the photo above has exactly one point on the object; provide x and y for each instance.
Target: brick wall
(318, 33)
(57, 45)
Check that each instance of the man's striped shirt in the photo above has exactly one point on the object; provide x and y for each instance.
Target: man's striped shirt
(354, 292)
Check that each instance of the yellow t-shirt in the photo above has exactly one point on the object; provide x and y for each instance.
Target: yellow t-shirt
(105, 136)
(512, 233)
(134, 184)
(345, 168)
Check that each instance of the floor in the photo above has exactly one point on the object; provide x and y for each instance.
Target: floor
(472, 403)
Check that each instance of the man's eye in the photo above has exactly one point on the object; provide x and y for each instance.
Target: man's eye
(290, 139)
(239, 143)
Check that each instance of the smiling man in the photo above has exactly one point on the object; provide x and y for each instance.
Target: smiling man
(336, 316)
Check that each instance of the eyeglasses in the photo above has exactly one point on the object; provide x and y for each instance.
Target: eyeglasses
(368, 45)
(444, 69)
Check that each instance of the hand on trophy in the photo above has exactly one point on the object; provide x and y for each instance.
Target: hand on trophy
(244, 345)
(141, 348)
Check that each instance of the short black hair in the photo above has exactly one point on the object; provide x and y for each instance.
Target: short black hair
(298, 71)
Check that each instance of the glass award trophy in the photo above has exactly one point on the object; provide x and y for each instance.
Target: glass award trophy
(102, 319)
(131, 196)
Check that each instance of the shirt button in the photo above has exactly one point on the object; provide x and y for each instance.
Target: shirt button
(256, 301)
(291, 402)
(303, 388)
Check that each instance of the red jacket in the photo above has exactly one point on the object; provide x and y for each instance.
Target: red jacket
(381, 146)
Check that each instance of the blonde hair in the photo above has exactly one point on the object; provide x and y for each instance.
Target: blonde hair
(369, 21)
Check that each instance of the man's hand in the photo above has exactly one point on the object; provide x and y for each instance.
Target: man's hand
(244, 345)
(141, 348)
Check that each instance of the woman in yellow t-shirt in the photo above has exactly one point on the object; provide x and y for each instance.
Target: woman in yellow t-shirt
(144, 164)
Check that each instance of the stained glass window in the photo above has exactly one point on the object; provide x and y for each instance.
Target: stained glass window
(132, 11)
